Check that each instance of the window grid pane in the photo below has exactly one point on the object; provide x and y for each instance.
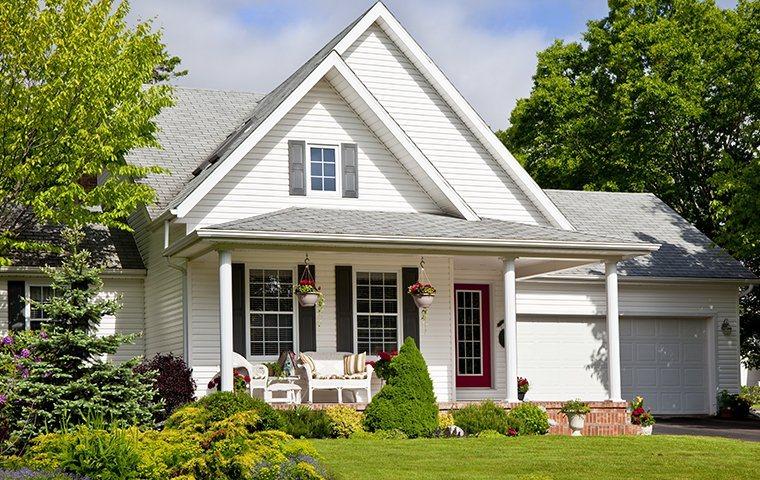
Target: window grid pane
(376, 312)
(37, 316)
(323, 177)
(469, 338)
(271, 309)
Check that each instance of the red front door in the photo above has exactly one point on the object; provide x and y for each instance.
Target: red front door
(473, 335)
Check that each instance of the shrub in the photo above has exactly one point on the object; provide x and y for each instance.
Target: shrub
(489, 434)
(477, 418)
(407, 401)
(221, 405)
(752, 395)
(173, 382)
(304, 422)
(533, 420)
(344, 421)
(445, 420)
(733, 404)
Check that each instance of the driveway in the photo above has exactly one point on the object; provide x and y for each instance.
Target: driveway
(709, 426)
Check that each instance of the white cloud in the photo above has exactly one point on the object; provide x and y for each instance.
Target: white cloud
(224, 49)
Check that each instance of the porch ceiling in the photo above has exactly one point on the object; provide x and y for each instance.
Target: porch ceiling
(356, 229)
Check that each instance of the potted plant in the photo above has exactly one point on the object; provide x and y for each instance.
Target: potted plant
(641, 416)
(308, 294)
(732, 405)
(381, 366)
(423, 294)
(576, 411)
(522, 388)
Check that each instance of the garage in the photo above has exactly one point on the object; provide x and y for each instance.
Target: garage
(665, 361)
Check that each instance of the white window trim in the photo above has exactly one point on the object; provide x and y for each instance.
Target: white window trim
(399, 303)
(338, 169)
(267, 358)
(456, 320)
(27, 307)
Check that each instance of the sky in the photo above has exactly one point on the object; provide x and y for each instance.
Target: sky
(486, 47)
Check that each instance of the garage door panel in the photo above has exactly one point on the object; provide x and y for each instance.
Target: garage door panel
(668, 369)
(626, 352)
(626, 377)
(646, 352)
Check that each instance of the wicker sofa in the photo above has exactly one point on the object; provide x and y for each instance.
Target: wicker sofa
(329, 375)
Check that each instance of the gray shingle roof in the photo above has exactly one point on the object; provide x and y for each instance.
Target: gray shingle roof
(110, 248)
(685, 251)
(394, 224)
(189, 131)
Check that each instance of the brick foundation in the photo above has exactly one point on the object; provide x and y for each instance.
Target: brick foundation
(606, 418)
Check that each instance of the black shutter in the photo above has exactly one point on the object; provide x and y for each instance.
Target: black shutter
(307, 319)
(238, 308)
(410, 311)
(16, 318)
(350, 162)
(297, 166)
(344, 308)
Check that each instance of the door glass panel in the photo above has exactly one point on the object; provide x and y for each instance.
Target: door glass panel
(469, 339)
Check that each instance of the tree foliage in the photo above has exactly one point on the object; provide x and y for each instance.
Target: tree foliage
(78, 90)
(660, 96)
(62, 376)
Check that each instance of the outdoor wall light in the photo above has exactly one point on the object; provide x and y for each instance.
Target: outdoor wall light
(726, 328)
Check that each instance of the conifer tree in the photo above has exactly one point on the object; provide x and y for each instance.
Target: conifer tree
(65, 376)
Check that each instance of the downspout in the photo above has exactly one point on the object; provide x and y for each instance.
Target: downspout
(185, 307)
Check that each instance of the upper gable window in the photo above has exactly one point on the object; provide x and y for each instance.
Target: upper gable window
(323, 165)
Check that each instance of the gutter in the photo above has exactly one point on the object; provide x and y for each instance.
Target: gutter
(239, 235)
(108, 272)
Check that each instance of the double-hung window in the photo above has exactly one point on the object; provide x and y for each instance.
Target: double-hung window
(323, 165)
(37, 316)
(376, 312)
(271, 310)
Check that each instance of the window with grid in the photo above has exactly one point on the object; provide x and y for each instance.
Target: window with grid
(469, 338)
(323, 178)
(376, 312)
(271, 310)
(39, 293)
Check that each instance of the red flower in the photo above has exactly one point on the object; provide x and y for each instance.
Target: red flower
(511, 432)
(247, 379)
(637, 412)
(521, 382)
(306, 281)
(370, 362)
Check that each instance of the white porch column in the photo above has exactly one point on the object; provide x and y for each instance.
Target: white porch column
(613, 330)
(225, 318)
(510, 327)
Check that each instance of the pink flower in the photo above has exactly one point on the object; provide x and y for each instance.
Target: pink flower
(25, 353)
(3, 400)
(7, 340)
(43, 334)
(511, 432)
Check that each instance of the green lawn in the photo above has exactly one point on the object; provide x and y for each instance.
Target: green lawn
(550, 457)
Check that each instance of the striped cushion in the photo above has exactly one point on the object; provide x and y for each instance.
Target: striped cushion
(354, 363)
(307, 360)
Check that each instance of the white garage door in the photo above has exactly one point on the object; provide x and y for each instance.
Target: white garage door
(665, 361)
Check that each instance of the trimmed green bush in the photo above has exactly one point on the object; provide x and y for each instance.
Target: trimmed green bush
(303, 422)
(221, 405)
(489, 434)
(407, 402)
(477, 418)
(531, 418)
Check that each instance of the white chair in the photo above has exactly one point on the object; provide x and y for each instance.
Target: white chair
(329, 375)
(258, 373)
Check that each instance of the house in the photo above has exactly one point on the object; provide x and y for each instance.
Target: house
(369, 163)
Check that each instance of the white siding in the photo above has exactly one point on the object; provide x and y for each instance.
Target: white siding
(259, 183)
(435, 338)
(437, 130)
(163, 300)
(579, 309)
(127, 320)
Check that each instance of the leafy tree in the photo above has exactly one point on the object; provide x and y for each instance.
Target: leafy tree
(661, 96)
(78, 90)
(407, 402)
(63, 377)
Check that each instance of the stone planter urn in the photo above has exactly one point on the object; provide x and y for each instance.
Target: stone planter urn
(576, 422)
(423, 301)
(308, 299)
(647, 430)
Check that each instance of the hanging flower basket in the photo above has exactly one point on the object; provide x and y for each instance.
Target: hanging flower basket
(423, 294)
(308, 294)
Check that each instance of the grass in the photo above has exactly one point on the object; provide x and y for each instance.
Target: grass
(540, 458)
